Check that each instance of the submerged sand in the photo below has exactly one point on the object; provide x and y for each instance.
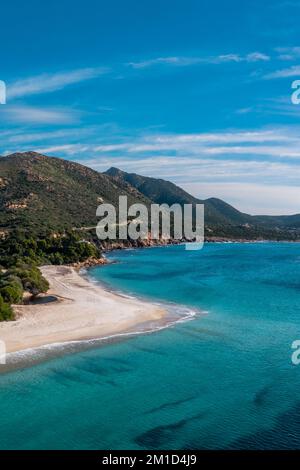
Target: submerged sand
(81, 310)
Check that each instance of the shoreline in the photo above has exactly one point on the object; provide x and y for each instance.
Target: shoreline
(82, 311)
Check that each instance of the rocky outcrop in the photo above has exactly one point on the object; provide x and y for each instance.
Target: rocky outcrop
(89, 263)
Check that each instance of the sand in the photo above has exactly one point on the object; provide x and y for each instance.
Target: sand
(82, 310)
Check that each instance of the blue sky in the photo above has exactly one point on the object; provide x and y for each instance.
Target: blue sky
(194, 91)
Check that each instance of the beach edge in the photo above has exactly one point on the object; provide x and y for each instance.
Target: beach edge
(82, 311)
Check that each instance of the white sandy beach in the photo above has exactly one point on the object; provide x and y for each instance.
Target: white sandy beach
(83, 310)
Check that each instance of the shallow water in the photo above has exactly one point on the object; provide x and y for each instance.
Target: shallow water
(223, 380)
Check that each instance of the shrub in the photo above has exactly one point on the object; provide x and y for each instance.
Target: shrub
(12, 293)
(11, 288)
(6, 312)
(31, 278)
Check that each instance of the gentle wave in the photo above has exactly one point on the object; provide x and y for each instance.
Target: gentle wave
(176, 314)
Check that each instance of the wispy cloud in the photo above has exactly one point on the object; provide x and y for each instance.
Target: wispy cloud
(59, 138)
(247, 110)
(233, 146)
(293, 71)
(288, 53)
(202, 143)
(23, 136)
(33, 115)
(256, 57)
(183, 61)
(68, 149)
(280, 106)
(180, 61)
(46, 83)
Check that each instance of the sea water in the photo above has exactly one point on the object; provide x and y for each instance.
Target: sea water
(224, 380)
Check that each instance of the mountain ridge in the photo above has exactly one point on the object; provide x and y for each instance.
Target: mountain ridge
(41, 193)
(215, 207)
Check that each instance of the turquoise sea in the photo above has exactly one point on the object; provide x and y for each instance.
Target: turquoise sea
(224, 380)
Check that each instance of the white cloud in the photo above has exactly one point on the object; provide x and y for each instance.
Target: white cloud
(69, 149)
(29, 114)
(180, 61)
(257, 56)
(270, 143)
(224, 58)
(47, 82)
(293, 71)
(276, 143)
(183, 61)
(259, 150)
(23, 136)
(228, 137)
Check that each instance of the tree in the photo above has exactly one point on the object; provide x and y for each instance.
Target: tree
(35, 284)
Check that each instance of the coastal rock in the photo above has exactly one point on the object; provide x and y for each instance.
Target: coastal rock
(89, 262)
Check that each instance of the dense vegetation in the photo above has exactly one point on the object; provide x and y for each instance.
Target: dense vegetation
(52, 249)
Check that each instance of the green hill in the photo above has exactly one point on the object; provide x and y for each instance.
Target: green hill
(41, 193)
(161, 191)
(216, 211)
